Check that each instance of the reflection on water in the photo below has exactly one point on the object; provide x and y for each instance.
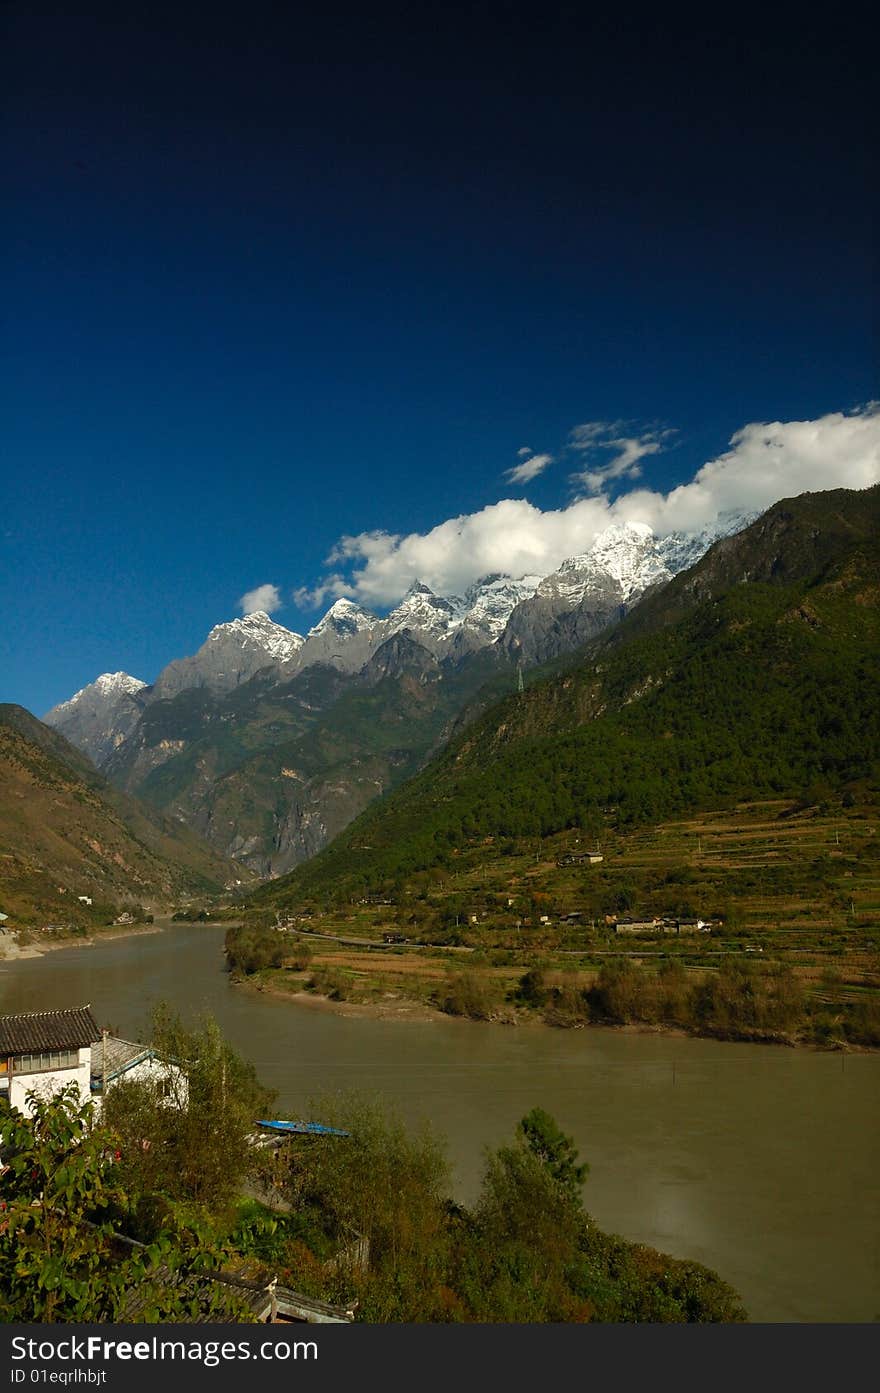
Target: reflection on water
(761, 1162)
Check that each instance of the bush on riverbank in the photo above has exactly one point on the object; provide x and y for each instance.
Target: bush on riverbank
(740, 1001)
(472, 995)
(250, 949)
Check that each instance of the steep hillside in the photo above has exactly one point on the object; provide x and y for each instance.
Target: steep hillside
(755, 673)
(65, 832)
(240, 741)
(270, 773)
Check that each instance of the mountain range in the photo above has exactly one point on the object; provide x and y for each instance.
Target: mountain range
(268, 742)
(752, 674)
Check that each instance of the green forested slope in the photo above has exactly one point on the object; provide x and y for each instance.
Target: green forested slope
(720, 688)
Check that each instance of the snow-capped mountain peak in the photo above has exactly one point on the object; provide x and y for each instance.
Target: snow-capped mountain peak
(490, 601)
(99, 716)
(258, 631)
(622, 562)
(108, 685)
(344, 617)
(421, 609)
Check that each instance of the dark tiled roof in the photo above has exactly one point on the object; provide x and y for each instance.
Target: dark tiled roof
(48, 1030)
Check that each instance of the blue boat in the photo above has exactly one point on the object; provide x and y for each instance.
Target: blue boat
(312, 1129)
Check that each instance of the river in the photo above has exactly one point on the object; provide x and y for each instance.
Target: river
(760, 1161)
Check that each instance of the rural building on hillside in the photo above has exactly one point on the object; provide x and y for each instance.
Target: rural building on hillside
(114, 1060)
(660, 926)
(638, 926)
(48, 1050)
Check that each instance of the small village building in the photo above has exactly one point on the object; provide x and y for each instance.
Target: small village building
(115, 1060)
(46, 1051)
(637, 926)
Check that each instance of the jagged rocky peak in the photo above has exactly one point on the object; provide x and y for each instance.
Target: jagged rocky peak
(99, 716)
(421, 609)
(622, 562)
(344, 617)
(108, 685)
(258, 630)
(231, 654)
(490, 601)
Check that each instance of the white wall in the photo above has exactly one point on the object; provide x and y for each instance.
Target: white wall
(52, 1081)
(154, 1072)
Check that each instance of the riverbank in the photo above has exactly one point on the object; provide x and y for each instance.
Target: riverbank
(620, 998)
(13, 950)
(391, 1009)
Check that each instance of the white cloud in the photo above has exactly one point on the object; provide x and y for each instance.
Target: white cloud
(523, 451)
(768, 461)
(266, 598)
(625, 451)
(529, 469)
(332, 587)
(765, 462)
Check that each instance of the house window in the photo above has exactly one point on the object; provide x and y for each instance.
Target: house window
(42, 1063)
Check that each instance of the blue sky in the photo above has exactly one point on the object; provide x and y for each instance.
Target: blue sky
(284, 280)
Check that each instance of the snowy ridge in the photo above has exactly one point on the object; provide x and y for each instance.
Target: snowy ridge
(491, 601)
(108, 685)
(624, 560)
(680, 550)
(258, 631)
(433, 615)
(344, 617)
(622, 563)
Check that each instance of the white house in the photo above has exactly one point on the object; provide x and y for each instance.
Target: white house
(47, 1050)
(115, 1060)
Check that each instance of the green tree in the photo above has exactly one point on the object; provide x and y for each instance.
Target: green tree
(554, 1149)
(193, 1144)
(384, 1185)
(61, 1254)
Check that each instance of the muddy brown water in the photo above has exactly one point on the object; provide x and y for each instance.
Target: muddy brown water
(760, 1161)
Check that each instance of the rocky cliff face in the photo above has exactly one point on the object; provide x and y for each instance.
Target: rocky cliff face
(586, 594)
(343, 639)
(231, 654)
(99, 717)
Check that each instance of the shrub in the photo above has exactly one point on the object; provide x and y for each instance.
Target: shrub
(468, 994)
